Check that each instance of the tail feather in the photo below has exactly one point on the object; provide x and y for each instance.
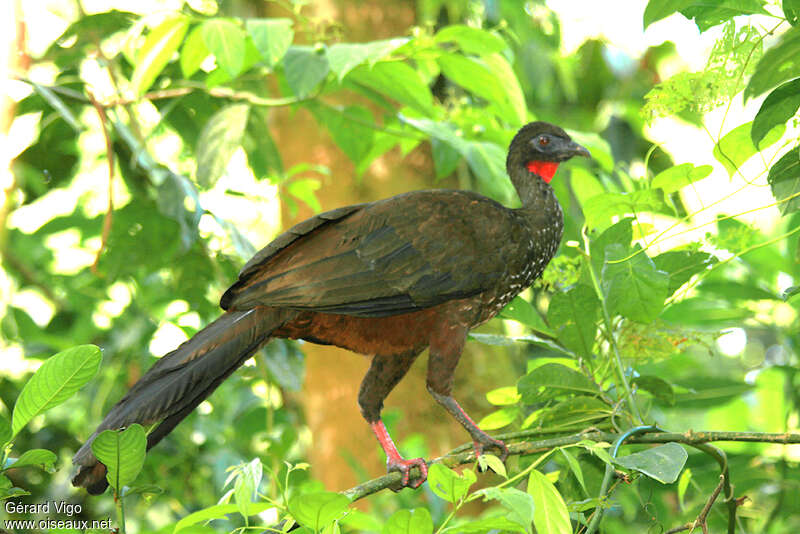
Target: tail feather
(179, 381)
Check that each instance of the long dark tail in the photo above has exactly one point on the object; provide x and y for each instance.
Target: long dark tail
(179, 381)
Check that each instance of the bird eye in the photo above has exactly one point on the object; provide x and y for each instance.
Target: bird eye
(543, 140)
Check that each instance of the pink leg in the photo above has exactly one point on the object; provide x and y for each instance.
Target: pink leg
(395, 462)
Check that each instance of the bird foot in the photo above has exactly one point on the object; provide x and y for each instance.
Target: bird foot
(405, 467)
(485, 441)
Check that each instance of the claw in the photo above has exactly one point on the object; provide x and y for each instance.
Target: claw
(405, 467)
(485, 441)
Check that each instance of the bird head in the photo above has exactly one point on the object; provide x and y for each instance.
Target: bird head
(539, 147)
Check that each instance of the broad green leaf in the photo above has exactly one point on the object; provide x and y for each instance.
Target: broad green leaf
(471, 40)
(220, 139)
(573, 315)
(503, 396)
(193, 52)
(448, 484)
(487, 525)
(161, 43)
(522, 311)
(245, 489)
(705, 313)
(784, 179)
(395, 80)
(662, 463)
(490, 461)
(487, 161)
(679, 176)
(580, 410)
(304, 189)
(683, 485)
(350, 129)
(601, 209)
(737, 146)
(505, 76)
(776, 110)
(620, 234)
(218, 511)
(305, 67)
(681, 265)
(41, 458)
(499, 418)
(659, 9)
(633, 286)
(445, 158)
(551, 513)
(658, 387)
(59, 377)
(226, 40)
(5, 430)
(416, 521)
(480, 77)
(575, 467)
(272, 37)
(709, 14)
(584, 185)
(316, 510)
(262, 152)
(551, 380)
(520, 505)
(122, 452)
(344, 57)
(778, 64)
(791, 10)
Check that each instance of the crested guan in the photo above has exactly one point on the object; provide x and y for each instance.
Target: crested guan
(386, 278)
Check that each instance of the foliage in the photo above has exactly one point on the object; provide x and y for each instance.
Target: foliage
(179, 108)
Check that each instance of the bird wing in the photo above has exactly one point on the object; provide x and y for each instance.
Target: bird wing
(389, 257)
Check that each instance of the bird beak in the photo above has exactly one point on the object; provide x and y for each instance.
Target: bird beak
(574, 149)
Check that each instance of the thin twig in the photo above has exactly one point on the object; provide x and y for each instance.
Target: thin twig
(702, 518)
(108, 218)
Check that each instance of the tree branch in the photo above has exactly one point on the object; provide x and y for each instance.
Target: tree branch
(703, 516)
(698, 439)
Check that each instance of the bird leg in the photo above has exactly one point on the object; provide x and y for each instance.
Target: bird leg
(445, 351)
(383, 374)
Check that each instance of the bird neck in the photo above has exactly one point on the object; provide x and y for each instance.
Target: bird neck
(532, 182)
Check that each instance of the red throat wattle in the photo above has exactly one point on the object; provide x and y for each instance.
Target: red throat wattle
(543, 169)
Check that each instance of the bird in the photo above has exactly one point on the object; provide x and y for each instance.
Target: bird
(387, 279)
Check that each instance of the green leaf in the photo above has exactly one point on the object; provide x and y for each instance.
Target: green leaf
(575, 467)
(709, 14)
(218, 511)
(551, 380)
(737, 146)
(316, 510)
(122, 452)
(519, 504)
(784, 179)
(791, 10)
(304, 189)
(5, 431)
(702, 312)
(416, 521)
(193, 52)
(305, 68)
(499, 418)
(448, 484)
(522, 311)
(226, 40)
(220, 139)
(601, 209)
(471, 40)
(397, 81)
(349, 129)
(776, 110)
(490, 461)
(779, 64)
(573, 315)
(633, 286)
(551, 513)
(344, 57)
(679, 176)
(161, 43)
(658, 387)
(41, 458)
(620, 234)
(445, 158)
(272, 37)
(488, 525)
(489, 80)
(580, 410)
(683, 485)
(245, 489)
(662, 463)
(681, 265)
(504, 396)
(659, 9)
(59, 377)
